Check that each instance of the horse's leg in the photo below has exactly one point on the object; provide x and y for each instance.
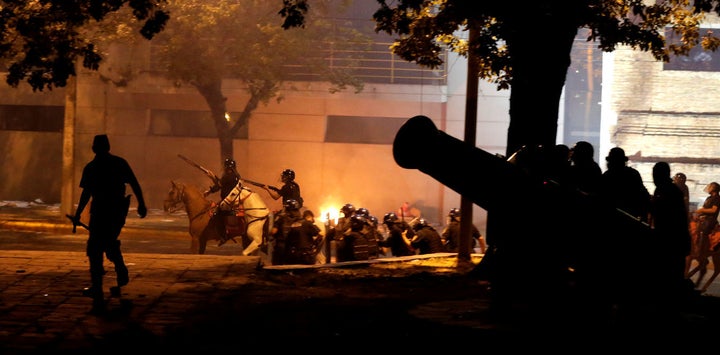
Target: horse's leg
(199, 236)
(195, 245)
(202, 246)
(255, 233)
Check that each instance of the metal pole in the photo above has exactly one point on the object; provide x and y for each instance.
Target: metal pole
(466, 204)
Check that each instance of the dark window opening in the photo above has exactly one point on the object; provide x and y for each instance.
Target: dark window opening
(697, 60)
(32, 118)
(367, 130)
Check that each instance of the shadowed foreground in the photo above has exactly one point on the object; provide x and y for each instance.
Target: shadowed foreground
(218, 304)
(424, 308)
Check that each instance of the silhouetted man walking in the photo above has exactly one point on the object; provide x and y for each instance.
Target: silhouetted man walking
(103, 179)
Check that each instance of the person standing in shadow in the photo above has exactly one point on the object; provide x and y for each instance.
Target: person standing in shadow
(584, 172)
(104, 180)
(623, 186)
(680, 180)
(671, 236)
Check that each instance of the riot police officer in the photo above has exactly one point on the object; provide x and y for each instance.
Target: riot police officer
(289, 190)
(288, 219)
(426, 240)
(399, 235)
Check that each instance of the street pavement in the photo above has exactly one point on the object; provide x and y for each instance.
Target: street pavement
(42, 309)
(185, 302)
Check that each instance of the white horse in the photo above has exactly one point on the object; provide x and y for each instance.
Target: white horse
(257, 216)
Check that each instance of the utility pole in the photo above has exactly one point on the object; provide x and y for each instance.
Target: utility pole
(466, 204)
(68, 156)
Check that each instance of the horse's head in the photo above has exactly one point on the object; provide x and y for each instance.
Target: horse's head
(174, 199)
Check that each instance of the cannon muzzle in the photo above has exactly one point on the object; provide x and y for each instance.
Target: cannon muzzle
(486, 179)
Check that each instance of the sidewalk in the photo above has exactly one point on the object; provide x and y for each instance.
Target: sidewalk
(44, 217)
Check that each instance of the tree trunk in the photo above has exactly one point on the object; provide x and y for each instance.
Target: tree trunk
(212, 92)
(539, 71)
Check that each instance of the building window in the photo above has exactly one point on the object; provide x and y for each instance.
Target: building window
(357, 129)
(698, 59)
(32, 118)
(178, 123)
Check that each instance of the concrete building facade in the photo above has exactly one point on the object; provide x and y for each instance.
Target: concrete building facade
(291, 134)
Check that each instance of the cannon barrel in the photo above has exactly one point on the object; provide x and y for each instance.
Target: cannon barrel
(485, 178)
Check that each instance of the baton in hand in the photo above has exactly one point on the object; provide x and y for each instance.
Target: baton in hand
(76, 223)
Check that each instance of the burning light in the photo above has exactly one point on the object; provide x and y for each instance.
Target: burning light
(329, 214)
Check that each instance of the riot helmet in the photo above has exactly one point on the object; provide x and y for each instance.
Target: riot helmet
(357, 221)
(291, 204)
(390, 218)
(454, 214)
(363, 212)
(373, 221)
(420, 224)
(347, 210)
(287, 175)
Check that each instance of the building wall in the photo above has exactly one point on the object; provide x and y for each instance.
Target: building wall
(285, 134)
(657, 114)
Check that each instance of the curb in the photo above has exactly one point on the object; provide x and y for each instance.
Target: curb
(53, 227)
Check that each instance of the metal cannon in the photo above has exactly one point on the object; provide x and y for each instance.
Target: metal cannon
(540, 231)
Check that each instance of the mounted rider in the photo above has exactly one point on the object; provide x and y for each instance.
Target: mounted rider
(229, 214)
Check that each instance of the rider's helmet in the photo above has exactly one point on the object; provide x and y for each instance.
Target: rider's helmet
(420, 224)
(229, 163)
(357, 221)
(291, 204)
(363, 212)
(454, 214)
(390, 218)
(287, 175)
(347, 210)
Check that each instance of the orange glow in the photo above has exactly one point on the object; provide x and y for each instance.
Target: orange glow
(329, 213)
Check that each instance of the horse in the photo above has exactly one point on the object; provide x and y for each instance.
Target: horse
(701, 255)
(200, 210)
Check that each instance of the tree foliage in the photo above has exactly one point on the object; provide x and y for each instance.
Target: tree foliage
(207, 42)
(41, 41)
